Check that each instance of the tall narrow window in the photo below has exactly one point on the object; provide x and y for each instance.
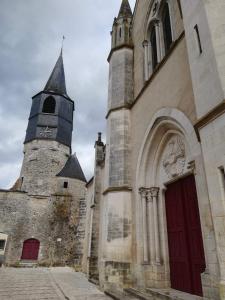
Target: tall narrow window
(120, 32)
(49, 105)
(154, 48)
(197, 38)
(167, 31)
(222, 175)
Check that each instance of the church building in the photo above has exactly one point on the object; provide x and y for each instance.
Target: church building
(155, 225)
(42, 218)
(150, 224)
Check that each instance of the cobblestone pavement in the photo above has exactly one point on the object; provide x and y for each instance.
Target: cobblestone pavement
(44, 283)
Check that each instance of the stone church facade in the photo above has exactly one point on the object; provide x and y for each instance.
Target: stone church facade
(156, 204)
(151, 221)
(42, 217)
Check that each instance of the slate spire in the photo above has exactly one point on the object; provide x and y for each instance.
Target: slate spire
(125, 10)
(56, 82)
(72, 169)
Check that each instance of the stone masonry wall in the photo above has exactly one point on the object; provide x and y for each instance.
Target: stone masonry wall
(56, 221)
(43, 159)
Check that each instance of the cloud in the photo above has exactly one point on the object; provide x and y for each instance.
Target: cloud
(31, 33)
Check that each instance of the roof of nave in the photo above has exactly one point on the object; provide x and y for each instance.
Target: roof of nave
(72, 169)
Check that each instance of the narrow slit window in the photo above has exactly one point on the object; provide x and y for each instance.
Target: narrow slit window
(65, 185)
(222, 172)
(198, 40)
(154, 48)
(120, 32)
(222, 181)
(2, 244)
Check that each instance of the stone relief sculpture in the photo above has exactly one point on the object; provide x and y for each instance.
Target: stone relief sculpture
(174, 157)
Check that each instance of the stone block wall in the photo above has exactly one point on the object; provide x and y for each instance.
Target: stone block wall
(57, 222)
(43, 160)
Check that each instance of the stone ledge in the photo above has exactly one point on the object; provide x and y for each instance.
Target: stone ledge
(117, 189)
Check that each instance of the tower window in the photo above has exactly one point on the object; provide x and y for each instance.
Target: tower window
(65, 185)
(154, 48)
(49, 105)
(167, 31)
(120, 32)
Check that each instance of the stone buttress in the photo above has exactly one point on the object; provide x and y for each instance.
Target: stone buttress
(116, 236)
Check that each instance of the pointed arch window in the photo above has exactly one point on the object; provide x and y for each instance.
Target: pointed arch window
(49, 105)
(153, 42)
(167, 30)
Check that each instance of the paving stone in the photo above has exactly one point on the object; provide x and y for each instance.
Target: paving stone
(46, 284)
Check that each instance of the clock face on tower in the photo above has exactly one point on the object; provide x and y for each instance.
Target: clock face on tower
(46, 132)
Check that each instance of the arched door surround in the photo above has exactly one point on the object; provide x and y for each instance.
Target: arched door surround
(168, 153)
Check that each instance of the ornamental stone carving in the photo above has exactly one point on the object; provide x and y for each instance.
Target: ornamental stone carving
(46, 132)
(174, 157)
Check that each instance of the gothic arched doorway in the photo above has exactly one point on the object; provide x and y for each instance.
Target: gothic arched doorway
(30, 249)
(186, 252)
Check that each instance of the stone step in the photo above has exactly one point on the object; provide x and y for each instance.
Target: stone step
(28, 264)
(162, 294)
(138, 294)
(128, 294)
(171, 294)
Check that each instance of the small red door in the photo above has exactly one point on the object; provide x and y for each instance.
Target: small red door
(187, 260)
(30, 249)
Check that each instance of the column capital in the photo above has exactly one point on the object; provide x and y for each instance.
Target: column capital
(143, 191)
(154, 191)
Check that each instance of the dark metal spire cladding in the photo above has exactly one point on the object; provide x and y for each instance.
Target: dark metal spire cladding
(72, 169)
(56, 82)
(125, 10)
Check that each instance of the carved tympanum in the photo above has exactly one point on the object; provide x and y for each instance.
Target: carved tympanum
(174, 157)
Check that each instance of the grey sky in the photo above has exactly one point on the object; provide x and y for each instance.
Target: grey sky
(30, 39)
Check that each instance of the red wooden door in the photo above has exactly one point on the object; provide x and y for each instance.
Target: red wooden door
(186, 252)
(30, 249)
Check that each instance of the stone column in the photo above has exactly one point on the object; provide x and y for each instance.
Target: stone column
(154, 191)
(144, 192)
(151, 227)
(146, 62)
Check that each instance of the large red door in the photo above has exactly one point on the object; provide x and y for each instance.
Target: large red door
(187, 260)
(30, 249)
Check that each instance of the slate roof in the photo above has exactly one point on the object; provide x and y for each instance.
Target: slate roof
(72, 169)
(56, 82)
(125, 10)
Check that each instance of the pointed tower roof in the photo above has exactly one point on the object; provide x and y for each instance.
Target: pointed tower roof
(125, 10)
(56, 82)
(72, 169)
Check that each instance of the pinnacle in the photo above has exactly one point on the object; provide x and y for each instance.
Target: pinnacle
(125, 9)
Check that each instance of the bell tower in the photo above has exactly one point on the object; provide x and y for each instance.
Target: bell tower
(47, 144)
